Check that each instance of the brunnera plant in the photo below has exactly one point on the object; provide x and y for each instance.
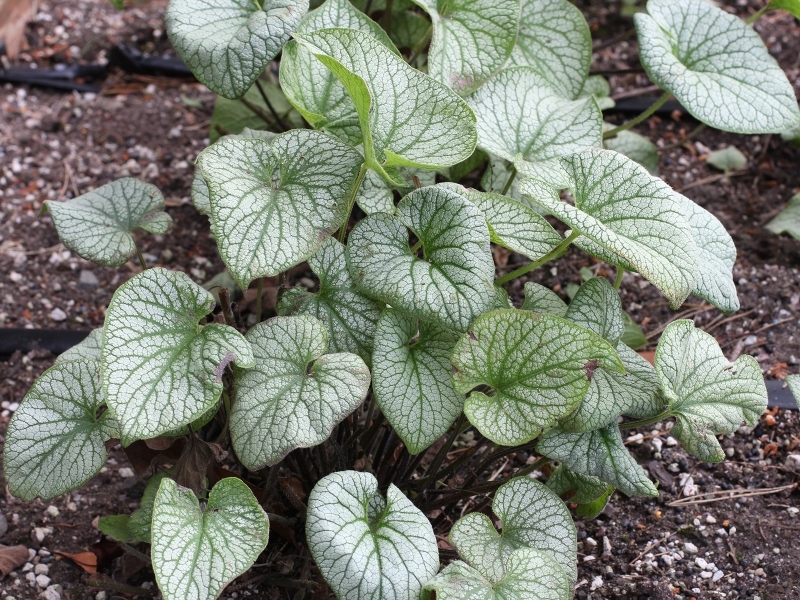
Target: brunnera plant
(411, 338)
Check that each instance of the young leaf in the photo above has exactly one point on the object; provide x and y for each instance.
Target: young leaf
(512, 225)
(788, 220)
(540, 299)
(377, 195)
(97, 226)
(715, 270)
(597, 86)
(520, 114)
(716, 66)
(598, 453)
(365, 546)
(452, 284)
(162, 370)
(538, 368)
(532, 516)
(411, 378)
(628, 218)
(790, 6)
(88, 349)
(582, 489)
(272, 205)
(295, 394)
(228, 43)
(632, 336)
(709, 395)
(231, 117)
(349, 316)
(409, 28)
(529, 574)
(729, 158)
(554, 39)
(55, 440)
(197, 551)
(472, 39)
(136, 527)
(636, 147)
(311, 87)
(406, 117)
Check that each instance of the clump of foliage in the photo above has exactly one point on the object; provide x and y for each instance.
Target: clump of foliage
(411, 338)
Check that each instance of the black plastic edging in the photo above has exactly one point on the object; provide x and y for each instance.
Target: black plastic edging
(59, 340)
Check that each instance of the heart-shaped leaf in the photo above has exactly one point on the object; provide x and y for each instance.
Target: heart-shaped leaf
(411, 378)
(636, 147)
(715, 270)
(88, 349)
(228, 43)
(716, 66)
(519, 114)
(55, 440)
(532, 516)
(406, 117)
(627, 217)
(295, 394)
(599, 453)
(162, 370)
(529, 574)
(349, 316)
(554, 38)
(97, 226)
(452, 284)
(708, 394)
(136, 526)
(472, 39)
(272, 205)
(512, 225)
(538, 368)
(788, 220)
(311, 87)
(597, 86)
(365, 546)
(197, 551)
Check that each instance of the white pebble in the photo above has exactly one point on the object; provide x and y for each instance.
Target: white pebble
(31, 577)
(126, 472)
(58, 315)
(42, 581)
(657, 444)
(776, 550)
(52, 511)
(101, 596)
(41, 569)
(51, 593)
(591, 542)
(706, 574)
(710, 519)
(589, 558)
(597, 583)
(717, 576)
(27, 567)
(671, 441)
(690, 548)
(700, 562)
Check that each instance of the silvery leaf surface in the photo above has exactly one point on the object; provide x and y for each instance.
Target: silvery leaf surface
(708, 394)
(161, 369)
(311, 87)
(228, 43)
(273, 205)
(599, 453)
(537, 366)
(368, 547)
(453, 282)
(349, 316)
(406, 117)
(97, 226)
(88, 349)
(554, 38)
(472, 39)
(716, 66)
(629, 218)
(540, 299)
(412, 379)
(532, 516)
(55, 441)
(636, 147)
(295, 394)
(196, 550)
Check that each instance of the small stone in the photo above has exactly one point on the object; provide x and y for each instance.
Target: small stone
(88, 280)
(776, 550)
(53, 592)
(657, 444)
(750, 340)
(126, 472)
(717, 576)
(591, 542)
(711, 520)
(589, 558)
(792, 510)
(759, 572)
(52, 511)
(690, 548)
(30, 577)
(42, 581)
(15, 277)
(701, 563)
(58, 315)
(706, 574)
(597, 583)
(101, 596)
(668, 560)
(671, 441)
(27, 567)
(792, 463)
(41, 569)
(38, 534)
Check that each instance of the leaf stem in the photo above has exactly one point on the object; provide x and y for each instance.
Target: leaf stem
(510, 181)
(758, 14)
(387, 17)
(362, 172)
(259, 295)
(417, 49)
(554, 253)
(635, 121)
(119, 587)
(642, 422)
(618, 280)
(416, 247)
(433, 469)
(225, 305)
(142, 261)
(271, 108)
(692, 134)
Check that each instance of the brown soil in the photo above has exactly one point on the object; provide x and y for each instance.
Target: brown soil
(56, 145)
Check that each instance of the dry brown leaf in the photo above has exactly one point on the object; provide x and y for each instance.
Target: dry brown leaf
(14, 15)
(12, 557)
(85, 560)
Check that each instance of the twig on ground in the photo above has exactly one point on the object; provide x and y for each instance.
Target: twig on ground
(734, 494)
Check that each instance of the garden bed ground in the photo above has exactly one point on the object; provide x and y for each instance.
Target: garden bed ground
(55, 145)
